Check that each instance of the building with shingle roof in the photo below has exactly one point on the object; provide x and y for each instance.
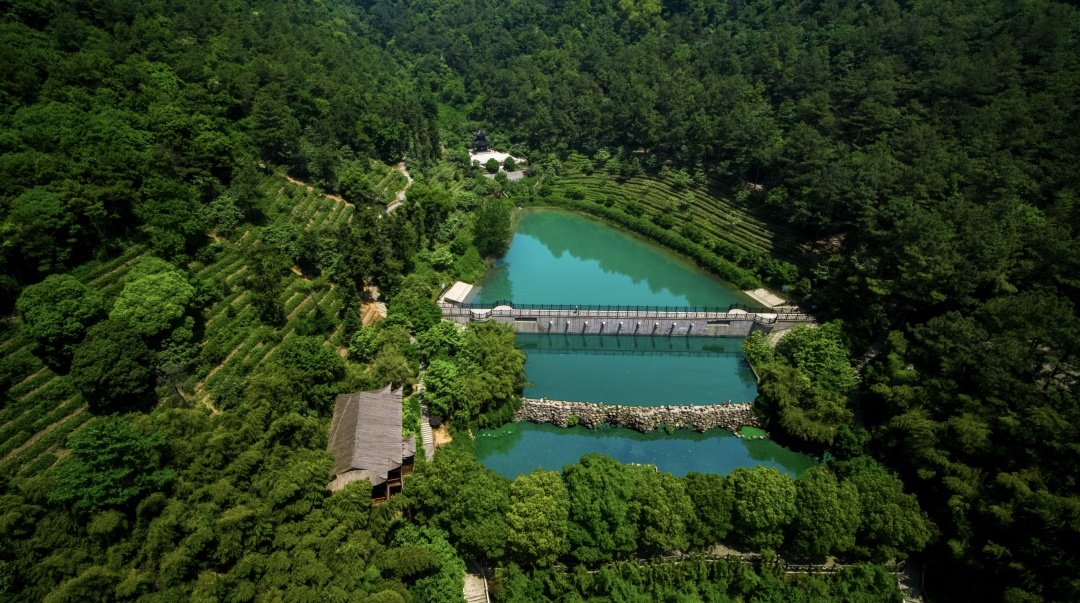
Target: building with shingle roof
(366, 441)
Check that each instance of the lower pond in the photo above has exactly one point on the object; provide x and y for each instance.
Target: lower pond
(562, 258)
(637, 370)
(519, 448)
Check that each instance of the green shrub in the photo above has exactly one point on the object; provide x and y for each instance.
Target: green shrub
(576, 192)
(410, 416)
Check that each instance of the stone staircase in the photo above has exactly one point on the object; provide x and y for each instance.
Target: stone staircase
(426, 436)
(425, 431)
(911, 581)
(875, 349)
(475, 589)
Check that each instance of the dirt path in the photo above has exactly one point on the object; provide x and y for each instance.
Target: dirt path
(441, 435)
(37, 436)
(311, 188)
(400, 196)
(114, 270)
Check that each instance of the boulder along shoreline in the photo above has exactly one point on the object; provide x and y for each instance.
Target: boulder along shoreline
(639, 418)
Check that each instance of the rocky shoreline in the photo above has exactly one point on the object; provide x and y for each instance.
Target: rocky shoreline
(638, 418)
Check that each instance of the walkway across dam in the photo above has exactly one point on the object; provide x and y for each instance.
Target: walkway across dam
(733, 321)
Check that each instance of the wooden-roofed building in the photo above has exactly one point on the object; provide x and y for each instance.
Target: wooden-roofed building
(366, 441)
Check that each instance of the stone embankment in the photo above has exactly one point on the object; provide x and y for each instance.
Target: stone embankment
(638, 418)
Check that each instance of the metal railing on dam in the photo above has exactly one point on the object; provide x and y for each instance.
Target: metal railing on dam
(608, 308)
(734, 320)
(616, 352)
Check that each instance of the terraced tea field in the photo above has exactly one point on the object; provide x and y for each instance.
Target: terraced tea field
(43, 408)
(723, 220)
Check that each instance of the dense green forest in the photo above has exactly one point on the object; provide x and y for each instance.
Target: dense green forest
(193, 215)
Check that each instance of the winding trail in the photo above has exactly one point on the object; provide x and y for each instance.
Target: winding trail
(311, 188)
(400, 196)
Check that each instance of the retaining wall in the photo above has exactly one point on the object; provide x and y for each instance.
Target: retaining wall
(638, 418)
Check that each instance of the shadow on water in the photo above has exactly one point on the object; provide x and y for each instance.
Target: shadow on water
(523, 447)
(497, 280)
(768, 452)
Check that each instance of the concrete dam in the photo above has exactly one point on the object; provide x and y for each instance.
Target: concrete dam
(667, 321)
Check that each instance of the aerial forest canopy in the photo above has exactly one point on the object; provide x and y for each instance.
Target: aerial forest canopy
(192, 233)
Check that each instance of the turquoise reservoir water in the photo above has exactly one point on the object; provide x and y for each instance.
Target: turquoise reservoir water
(637, 371)
(522, 447)
(562, 258)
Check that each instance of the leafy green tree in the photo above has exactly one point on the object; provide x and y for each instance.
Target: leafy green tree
(223, 214)
(312, 367)
(808, 411)
(666, 511)
(392, 367)
(433, 485)
(891, 523)
(603, 510)
(448, 582)
(112, 364)
(493, 371)
(266, 282)
(827, 516)
(413, 303)
(492, 165)
(804, 392)
(509, 164)
(442, 258)
(443, 340)
(39, 232)
(362, 345)
(491, 229)
(820, 354)
(757, 349)
(153, 303)
(354, 184)
(442, 387)
(110, 464)
(273, 127)
(95, 583)
(764, 504)
(713, 502)
(146, 266)
(538, 517)
(56, 314)
(481, 527)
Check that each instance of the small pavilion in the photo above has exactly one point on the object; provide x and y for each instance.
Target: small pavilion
(366, 441)
(480, 143)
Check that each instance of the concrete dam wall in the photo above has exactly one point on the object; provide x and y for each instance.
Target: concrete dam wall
(628, 322)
